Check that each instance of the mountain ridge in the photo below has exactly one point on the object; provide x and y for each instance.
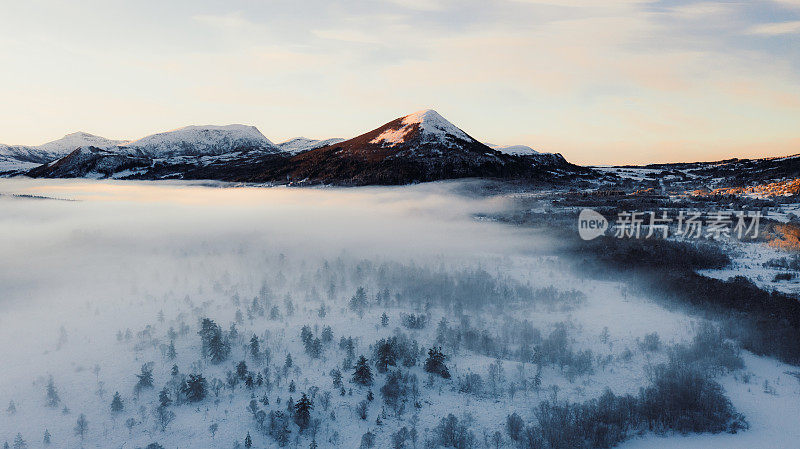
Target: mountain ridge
(418, 147)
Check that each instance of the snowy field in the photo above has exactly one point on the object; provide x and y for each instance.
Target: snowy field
(98, 278)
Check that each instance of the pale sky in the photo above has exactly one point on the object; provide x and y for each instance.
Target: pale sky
(617, 81)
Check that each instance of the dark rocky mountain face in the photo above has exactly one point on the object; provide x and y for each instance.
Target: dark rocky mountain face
(89, 161)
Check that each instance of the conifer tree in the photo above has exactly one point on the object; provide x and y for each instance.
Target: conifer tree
(116, 403)
(302, 412)
(46, 439)
(20, 443)
(288, 363)
(207, 329)
(241, 370)
(306, 335)
(255, 350)
(435, 363)
(327, 334)
(52, 394)
(163, 397)
(233, 333)
(195, 388)
(314, 347)
(81, 426)
(359, 301)
(145, 377)
(219, 347)
(171, 353)
(362, 374)
(385, 354)
(215, 345)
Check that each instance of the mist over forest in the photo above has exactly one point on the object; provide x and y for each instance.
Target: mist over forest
(180, 314)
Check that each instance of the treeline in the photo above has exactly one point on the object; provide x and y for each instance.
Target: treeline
(679, 399)
(519, 341)
(682, 397)
(421, 286)
(763, 322)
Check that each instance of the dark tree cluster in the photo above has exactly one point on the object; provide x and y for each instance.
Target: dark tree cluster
(398, 348)
(195, 388)
(399, 388)
(312, 344)
(414, 321)
(681, 398)
(215, 344)
(434, 364)
(358, 303)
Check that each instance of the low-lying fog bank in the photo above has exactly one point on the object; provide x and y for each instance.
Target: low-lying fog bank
(112, 227)
(210, 308)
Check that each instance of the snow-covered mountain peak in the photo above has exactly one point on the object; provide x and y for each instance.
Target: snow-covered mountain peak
(78, 139)
(198, 132)
(15, 157)
(430, 124)
(300, 144)
(202, 140)
(514, 150)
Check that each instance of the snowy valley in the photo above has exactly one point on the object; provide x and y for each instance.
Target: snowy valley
(202, 315)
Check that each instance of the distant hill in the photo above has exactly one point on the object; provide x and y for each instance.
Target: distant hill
(20, 158)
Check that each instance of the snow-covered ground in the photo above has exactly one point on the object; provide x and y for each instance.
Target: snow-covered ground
(634, 173)
(76, 274)
(752, 260)
(772, 415)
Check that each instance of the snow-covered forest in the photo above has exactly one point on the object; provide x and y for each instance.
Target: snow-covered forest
(178, 315)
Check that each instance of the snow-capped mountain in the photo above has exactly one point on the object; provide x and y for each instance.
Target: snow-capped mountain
(426, 126)
(418, 147)
(423, 134)
(516, 150)
(531, 155)
(300, 144)
(205, 140)
(25, 157)
(71, 142)
(422, 146)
